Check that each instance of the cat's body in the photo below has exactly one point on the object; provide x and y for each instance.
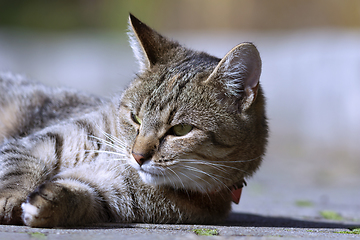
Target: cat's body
(171, 149)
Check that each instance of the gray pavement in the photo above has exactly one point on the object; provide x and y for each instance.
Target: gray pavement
(259, 227)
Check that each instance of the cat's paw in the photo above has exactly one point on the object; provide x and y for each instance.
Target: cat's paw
(10, 209)
(42, 207)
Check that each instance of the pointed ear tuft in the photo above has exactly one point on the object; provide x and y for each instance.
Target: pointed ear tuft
(237, 75)
(149, 47)
(136, 46)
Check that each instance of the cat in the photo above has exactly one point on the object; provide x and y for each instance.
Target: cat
(174, 147)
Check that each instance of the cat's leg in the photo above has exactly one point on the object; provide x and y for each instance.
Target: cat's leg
(20, 174)
(49, 170)
(79, 196)
(25, 164)
(63, 203)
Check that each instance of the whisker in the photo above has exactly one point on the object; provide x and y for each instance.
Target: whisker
(231, 161)
(213, 176)
(127, 167)
(214, 165)
(176, 176)
(108, 152)
(114, 139)
(181, 181)
(198, 177)
(110, 137)
(113, 143)
(109, 144)
(217, 166)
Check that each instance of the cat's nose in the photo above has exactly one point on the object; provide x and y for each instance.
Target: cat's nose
(140, 158)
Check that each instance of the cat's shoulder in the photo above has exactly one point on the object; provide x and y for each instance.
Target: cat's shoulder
(14, 85)
(27, 106)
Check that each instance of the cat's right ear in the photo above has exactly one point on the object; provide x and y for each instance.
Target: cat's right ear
(237, 76)
(149, 47)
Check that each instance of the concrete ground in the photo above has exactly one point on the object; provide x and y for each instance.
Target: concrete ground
(239, 226)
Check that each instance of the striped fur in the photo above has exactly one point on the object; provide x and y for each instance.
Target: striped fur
(69, 158)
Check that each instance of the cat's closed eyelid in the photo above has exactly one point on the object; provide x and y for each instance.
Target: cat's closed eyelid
(135, 118)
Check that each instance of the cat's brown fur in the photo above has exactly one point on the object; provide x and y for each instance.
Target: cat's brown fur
(189, 129)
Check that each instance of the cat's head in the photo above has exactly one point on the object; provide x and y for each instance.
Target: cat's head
(191, 120)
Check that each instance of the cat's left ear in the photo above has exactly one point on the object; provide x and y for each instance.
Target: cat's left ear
(149, 47)
(237, 75)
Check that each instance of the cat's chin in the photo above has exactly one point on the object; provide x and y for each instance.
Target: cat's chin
(148, 175)
(162, 180)
(152, 179)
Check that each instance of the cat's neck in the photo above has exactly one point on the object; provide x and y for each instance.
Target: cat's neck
(230, 193)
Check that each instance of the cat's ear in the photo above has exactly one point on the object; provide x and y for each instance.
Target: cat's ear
(237, 75)
(149, 47)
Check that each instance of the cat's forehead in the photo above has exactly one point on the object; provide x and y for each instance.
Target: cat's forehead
(178, 100)
(174, 87)
(175, 90)
(167, 97)
(179, 80)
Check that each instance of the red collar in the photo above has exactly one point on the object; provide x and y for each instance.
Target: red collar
(236, 190)
(236, 194)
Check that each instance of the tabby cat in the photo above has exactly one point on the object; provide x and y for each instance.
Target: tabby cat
(172, 148)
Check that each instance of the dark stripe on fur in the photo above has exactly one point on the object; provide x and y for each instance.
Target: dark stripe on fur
(171, 116)
(59, 143)
(83, 124)
(14, 174)
(10, 151)
(89, 129)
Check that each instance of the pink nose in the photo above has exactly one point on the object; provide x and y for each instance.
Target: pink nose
(140, 158)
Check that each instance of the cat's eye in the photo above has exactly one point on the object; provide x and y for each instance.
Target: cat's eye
(136, 119)
(182, 129)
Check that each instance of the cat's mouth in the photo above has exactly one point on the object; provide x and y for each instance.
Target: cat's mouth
(148, 172)
(152, 176)
(152, 173)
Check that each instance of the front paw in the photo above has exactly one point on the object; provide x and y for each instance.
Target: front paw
(10, 208)
(62, 203)
(43, 207)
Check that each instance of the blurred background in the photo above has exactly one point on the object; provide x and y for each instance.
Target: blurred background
(311, 74)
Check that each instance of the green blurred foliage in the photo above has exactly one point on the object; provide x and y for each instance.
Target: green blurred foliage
(67, 15)
(331, 215)
(71, 14)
